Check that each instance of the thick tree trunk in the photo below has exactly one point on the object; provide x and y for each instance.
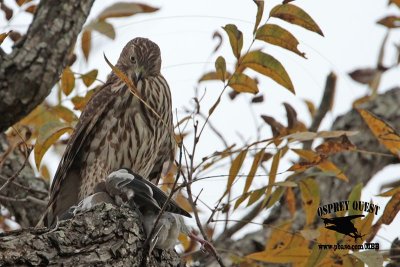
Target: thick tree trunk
(35, 64)
(102, 236)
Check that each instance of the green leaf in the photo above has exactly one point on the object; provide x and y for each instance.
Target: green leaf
(67, 81)
(277, 35)
(48, 135)
(86, 43)
(256, 195)
(260, 11)
(235, 38)
(102, 27)
(295, 15)
(89, 77)
(242, 83)
(268, 66)
(220, 67)
(122, 9)
(235, 167)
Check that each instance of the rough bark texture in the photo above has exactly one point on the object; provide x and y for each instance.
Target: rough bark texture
(358, 167)
(103, 236)
(34, 66)
(26, 211)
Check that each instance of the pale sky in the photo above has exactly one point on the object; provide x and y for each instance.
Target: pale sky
(183, 30)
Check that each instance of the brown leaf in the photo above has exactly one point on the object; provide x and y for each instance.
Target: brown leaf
(67, 81)
(235, 38)
(233, 94)
(3, 36)
(220, 67)
(15, 36)
(102, 27)
(396, 2)
(258, 99)
(276, 127)
(291, 201)
(385, 134)
(390, 22)
(81, 101)
(86, 43)
(295, 15)
(256, 163)
(31, 9)
(364, 76)
(8, 12)
(218, 36)
(311, 107)
(214, 76)
(122, 9)
(335, 146)
(21, 2)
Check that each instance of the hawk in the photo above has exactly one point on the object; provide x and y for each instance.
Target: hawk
(117, 130)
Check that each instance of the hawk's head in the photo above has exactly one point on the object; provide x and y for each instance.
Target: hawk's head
(140, 58)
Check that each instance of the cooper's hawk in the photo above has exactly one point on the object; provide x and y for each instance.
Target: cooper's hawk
(116, 130)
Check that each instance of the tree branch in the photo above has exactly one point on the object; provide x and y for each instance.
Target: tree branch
(105, 235)
(34, 66)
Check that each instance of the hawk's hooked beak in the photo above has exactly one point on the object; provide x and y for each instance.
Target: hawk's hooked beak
(138, 75)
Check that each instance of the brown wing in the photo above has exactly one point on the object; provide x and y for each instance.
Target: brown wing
(64, 189)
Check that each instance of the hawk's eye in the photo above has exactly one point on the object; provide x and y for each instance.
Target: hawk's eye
(133, 59)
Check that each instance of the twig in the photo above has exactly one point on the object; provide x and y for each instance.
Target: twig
(15, 175)
(27, 188)
(25, 199)
(324, 106)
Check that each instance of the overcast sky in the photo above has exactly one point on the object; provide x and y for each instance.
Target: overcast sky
(183, 30)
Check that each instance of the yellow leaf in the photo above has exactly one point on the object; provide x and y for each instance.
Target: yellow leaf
(235, 38)
(385, 134)
(235, 167)
(277, 35)
(242, 83)
(89, 77)
(220, 67)
(260, 11)
(211, 110)
(355, 195)
(256, 195)
(4, 36)
(242, 198)
(310, 197)
(86, 43)
(275, 196)
(274, 170)
(214, 76)
(268, 66)
(64, 113)
(317, 255)
(67, 81)
(81, 101)
(102, 27)
(311, 107)
(122, 9)
(290, 255)
(295, 15)
(48, 135)
(390, 192)
(291, 201)
(391, 209)
(253, 169)
(44, 172)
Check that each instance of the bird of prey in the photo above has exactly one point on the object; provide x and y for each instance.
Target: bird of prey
(117, 130)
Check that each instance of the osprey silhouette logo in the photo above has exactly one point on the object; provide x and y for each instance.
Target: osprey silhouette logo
(344, 225)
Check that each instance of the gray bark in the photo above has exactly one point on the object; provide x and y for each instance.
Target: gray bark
(102, 236)
(35, 64)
